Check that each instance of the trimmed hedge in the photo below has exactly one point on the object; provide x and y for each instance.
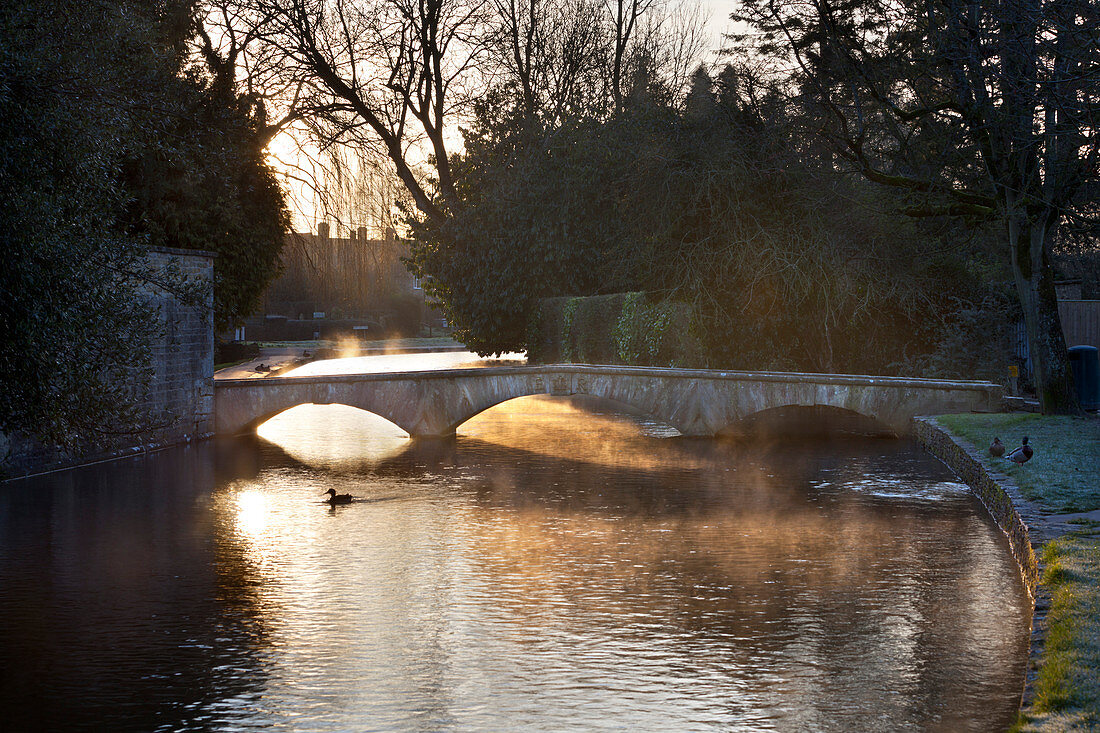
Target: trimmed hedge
(623, 328)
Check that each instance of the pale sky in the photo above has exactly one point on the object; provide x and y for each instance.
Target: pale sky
(302, 203)
(719, 22)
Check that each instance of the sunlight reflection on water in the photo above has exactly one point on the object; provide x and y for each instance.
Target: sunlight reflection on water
(404, 363)
(556, 566)
(572, 570)
(339, 438)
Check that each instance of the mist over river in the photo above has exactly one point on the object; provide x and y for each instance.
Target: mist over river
(556, 566)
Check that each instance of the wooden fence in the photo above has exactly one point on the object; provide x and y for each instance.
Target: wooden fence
(1080, 325)
(1080, 322)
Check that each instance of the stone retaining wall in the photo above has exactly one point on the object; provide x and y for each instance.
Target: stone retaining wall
(181, 398)
(180, 401)
(1016, 516)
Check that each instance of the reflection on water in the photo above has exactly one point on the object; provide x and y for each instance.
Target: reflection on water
(338, 438)
(403, 363)
(554, 567)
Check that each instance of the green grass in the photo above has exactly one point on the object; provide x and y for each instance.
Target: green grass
(1064, 474)
(291, 344)
(1067, 690)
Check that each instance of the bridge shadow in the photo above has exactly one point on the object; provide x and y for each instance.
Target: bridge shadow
(631, 474)
(804, 422)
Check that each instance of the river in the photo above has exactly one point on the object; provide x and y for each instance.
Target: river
(557, 566)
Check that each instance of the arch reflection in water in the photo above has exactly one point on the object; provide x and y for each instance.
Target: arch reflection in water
(334, 437)
(551, 568)
(547, 569)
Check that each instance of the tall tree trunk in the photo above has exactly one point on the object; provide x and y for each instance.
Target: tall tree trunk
(1034, 278)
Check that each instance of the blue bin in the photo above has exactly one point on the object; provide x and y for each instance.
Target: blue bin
(1085, 363)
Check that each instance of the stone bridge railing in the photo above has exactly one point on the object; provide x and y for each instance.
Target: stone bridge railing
(694, 401)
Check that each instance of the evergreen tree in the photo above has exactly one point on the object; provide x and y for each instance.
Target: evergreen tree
(108, 145)
(979, 110)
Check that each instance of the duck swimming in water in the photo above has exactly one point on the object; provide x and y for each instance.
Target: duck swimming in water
(1022, 454)
(997, 448)
(335, 498)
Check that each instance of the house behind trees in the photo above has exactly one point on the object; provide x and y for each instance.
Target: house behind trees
(334, 286)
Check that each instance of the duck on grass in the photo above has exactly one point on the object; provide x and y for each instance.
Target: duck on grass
(1020, 455)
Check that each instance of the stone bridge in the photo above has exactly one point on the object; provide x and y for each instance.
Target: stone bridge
(694, 401)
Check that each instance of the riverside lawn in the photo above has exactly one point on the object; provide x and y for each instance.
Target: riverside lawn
(1064, 477)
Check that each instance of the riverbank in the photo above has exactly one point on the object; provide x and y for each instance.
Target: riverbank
(1050, 510)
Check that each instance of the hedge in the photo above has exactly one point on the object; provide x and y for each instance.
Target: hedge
(622, 328)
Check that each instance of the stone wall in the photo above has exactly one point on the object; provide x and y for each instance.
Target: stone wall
(995, 496)
(181, 398)
(180, 402)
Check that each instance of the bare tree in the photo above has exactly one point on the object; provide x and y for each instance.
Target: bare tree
(1025, 76)
(552, 51)
(225, 41)
(625, 15)
(662, 40)
(359, 193)
(394, 78)
(972, 108)
(677, 41)
(381, 75)
(581, 57)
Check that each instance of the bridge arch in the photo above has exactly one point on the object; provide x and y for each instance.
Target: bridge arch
(261, 420)
(619, 407)
(242, 405)
(806, 420)
(695, 402)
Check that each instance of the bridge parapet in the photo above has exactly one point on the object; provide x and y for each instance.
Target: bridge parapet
(694, 401)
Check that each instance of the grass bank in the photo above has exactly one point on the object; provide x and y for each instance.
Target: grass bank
(1064, 473)
(1064, 476)
(1067, 690)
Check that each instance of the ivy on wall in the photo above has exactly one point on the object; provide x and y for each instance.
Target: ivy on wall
(622, 328)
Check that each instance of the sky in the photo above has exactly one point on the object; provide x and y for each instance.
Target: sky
(719, 19)
(285, 155)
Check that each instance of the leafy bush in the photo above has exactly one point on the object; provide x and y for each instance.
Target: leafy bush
(109, 144)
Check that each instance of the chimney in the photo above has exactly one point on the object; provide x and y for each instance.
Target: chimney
(322, 230)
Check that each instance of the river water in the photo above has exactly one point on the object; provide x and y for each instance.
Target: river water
(558, 566)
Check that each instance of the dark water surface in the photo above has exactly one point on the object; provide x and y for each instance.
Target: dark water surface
(547, 570)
